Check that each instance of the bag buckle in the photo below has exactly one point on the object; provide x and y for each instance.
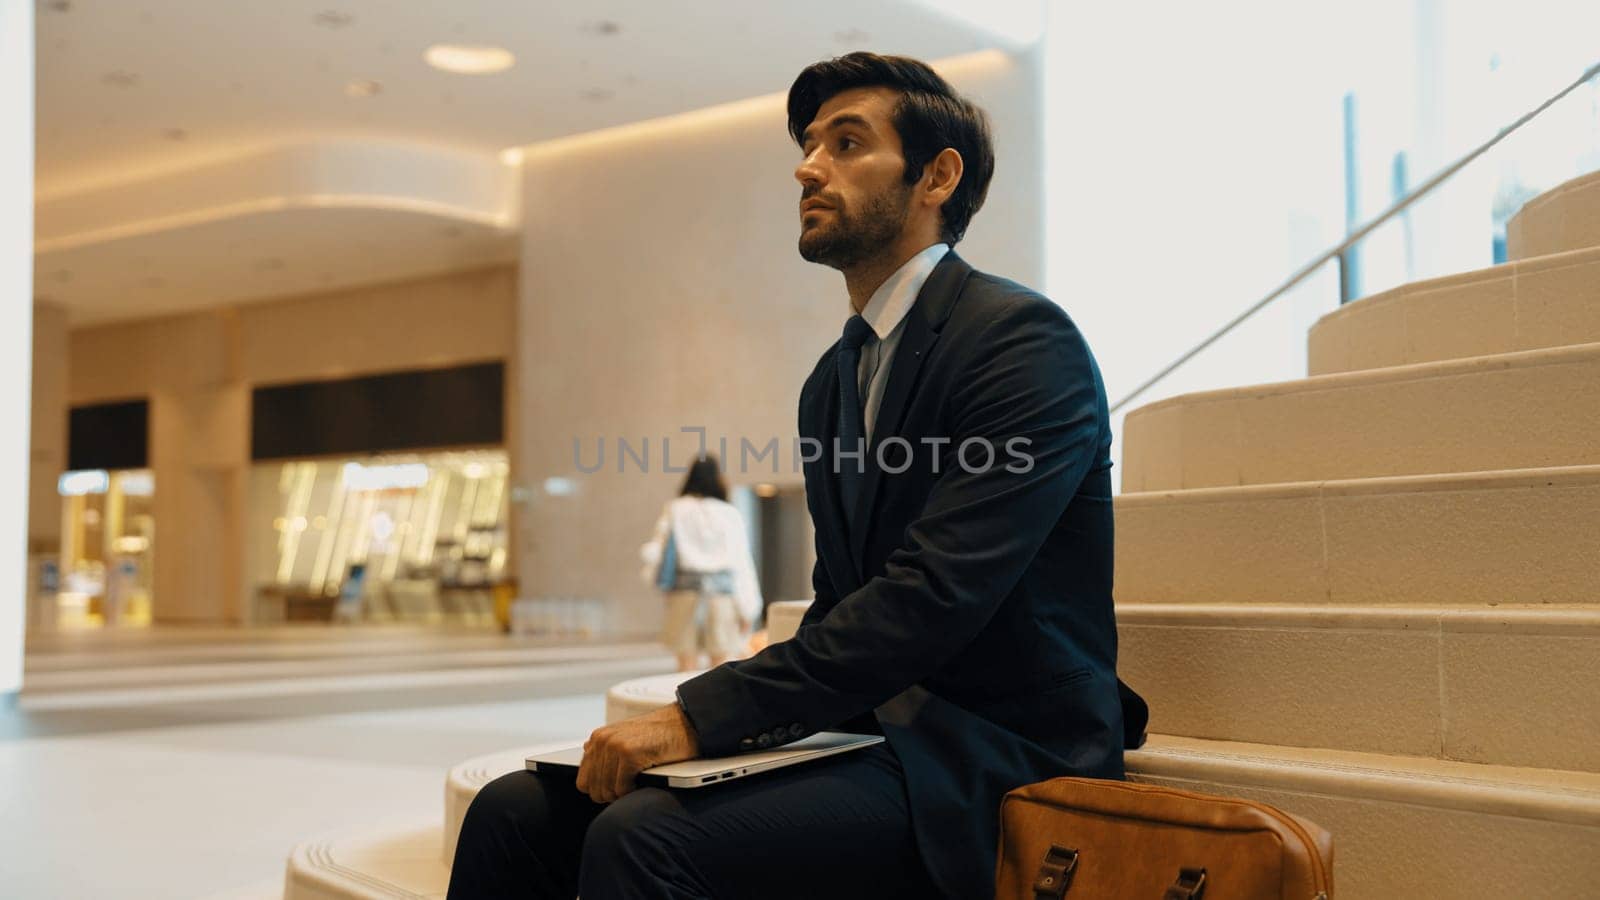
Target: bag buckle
(1191, 885)
(1055, 873)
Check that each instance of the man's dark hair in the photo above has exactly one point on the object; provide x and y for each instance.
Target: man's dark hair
(705, 479)
(929, 117)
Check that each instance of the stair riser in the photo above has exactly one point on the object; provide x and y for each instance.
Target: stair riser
(1548, 302)
(1448, 692)
(1530, 543)
(1524, 416)
(1567, 218)
(1384, 850)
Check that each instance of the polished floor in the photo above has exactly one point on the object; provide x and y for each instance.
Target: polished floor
(177, 763)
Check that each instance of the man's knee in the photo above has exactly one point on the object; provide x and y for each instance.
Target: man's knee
(635, 833)
(513, 801)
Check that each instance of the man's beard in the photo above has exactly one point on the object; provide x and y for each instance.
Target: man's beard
(851, 239)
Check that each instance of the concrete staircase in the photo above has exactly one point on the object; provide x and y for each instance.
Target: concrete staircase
(1372, 596)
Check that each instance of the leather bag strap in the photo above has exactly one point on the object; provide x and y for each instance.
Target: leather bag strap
(1055, 873)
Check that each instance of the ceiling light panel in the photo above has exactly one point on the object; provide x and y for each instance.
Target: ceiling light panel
(464, 59)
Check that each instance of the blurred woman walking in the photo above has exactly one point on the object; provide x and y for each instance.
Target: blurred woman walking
(699, 557)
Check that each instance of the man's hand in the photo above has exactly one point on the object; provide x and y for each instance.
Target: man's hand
(615, 754)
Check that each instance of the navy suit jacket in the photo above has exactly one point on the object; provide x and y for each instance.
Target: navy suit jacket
(965, 613)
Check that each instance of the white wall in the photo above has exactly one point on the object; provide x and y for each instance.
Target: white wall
(661, 288)
(16, 325)
(1192, 163)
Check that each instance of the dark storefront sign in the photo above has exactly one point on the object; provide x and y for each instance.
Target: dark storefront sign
(459, 406)
(109, 436)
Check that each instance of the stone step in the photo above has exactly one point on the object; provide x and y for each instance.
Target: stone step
(1510, 411)
(1524, 536)
(494, 653)
(1545, 301)
(1407, 827)
(397, 862)
(1403, 827)
(1506, 686)
(1566, 217)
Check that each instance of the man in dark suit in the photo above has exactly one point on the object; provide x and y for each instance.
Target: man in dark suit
(963, 513)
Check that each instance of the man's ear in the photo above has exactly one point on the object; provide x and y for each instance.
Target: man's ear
(941, 176)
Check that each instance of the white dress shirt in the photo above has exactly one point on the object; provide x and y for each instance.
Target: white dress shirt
(886, 313)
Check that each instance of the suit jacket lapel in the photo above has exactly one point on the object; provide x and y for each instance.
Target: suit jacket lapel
(923, 323)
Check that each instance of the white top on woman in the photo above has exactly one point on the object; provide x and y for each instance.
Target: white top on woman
(710, 536)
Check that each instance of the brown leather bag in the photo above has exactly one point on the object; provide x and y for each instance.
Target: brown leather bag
(1071, 838)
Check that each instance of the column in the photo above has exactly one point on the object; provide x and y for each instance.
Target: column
(16, 326)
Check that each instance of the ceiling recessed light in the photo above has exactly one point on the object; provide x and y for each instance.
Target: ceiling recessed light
(363, 87)
(511, 156)
(464, 59)
(332, 18)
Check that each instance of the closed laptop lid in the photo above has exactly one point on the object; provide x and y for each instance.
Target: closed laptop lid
(823, 743)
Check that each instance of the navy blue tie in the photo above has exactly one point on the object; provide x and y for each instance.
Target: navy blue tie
(849, 433)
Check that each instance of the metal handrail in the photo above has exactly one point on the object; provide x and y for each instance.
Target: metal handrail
(1356, 236)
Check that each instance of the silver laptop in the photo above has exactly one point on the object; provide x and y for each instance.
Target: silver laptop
(695, 773)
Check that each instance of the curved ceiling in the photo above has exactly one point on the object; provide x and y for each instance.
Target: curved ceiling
(194, 154)
(294, 219)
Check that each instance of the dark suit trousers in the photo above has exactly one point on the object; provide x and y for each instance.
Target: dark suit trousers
(836, 828)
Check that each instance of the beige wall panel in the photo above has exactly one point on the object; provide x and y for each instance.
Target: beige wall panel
(432, 322)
